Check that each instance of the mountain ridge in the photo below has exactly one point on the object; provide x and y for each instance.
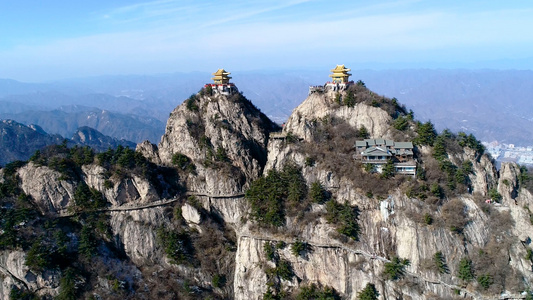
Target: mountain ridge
(231, 207)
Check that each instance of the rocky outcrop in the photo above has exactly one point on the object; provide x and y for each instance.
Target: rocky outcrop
(227, 129)
(133, 189)
(46, 187)
(320, 105)
(149, 151)
(135, 232)
(13, 272)
(484, 172)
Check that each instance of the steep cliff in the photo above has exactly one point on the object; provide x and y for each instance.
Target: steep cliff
(224, 136)
(435, 220)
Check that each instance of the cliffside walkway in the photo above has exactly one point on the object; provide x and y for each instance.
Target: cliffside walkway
(164, 202)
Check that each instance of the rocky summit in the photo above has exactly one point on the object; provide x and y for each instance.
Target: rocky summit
(230, 205)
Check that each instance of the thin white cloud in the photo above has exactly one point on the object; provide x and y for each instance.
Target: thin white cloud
(250, 42)
(252, 13)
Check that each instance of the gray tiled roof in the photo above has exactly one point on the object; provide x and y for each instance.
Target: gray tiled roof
(376, 151)
(403, 145)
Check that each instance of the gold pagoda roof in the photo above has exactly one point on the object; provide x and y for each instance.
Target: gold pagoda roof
(221, 72)
(340, 69)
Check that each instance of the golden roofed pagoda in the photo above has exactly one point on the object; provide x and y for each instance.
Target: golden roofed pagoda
(221, 77)
(340, 74)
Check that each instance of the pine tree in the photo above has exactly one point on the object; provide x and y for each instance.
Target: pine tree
(368, 293)
(464, 271)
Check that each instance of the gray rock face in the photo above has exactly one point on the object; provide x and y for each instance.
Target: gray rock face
(132, 190)
(149, 151)
(227, 126)
(13, 272)
(190, 214)
(318, 106)
(135, 233)
(43, 184)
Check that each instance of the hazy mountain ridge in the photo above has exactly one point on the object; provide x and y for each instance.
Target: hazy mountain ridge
(67, 120)
(19, 142)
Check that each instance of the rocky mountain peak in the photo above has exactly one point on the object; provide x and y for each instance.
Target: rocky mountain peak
(356, 105)
(223, 135)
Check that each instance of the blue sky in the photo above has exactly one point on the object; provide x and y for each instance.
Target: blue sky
(53, 39)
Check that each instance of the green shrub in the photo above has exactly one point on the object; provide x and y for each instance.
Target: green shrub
(177, 245)
(465, 270)
(268, 195)
(440, 262)
(67, 286)
(88, 198)
(401, 123)
(338, 98)
(529, 255)
(439, 148)
(298, 248)
(494, 195)
(183, 162)
(218, 281)
(221, 155)
(191, 103)
(388, 170)
(368, 293)
(38, 256)
(11, 168)
(88, 242)
(280, 245)
(349, 99)
(309, 161)
(270, 251)
(108, 184)
(290, 138)
(436, 190)
(395, 269)
(471, 142)
(428, 219)
(18, 294)
(369, 168)
(269, 295)
(312, 292)
(284, 270)
(317, 193)
(363, 132)
(485, 281)
(426, 134)
(344, 217)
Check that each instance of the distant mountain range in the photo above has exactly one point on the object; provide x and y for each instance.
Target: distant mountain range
(492, 104)
(66, 120)
(19, 142)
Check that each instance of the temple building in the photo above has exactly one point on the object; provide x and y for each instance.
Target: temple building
(340, 74)
(221, 77)
(221, 83)
(340, 80)
(378, 151)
